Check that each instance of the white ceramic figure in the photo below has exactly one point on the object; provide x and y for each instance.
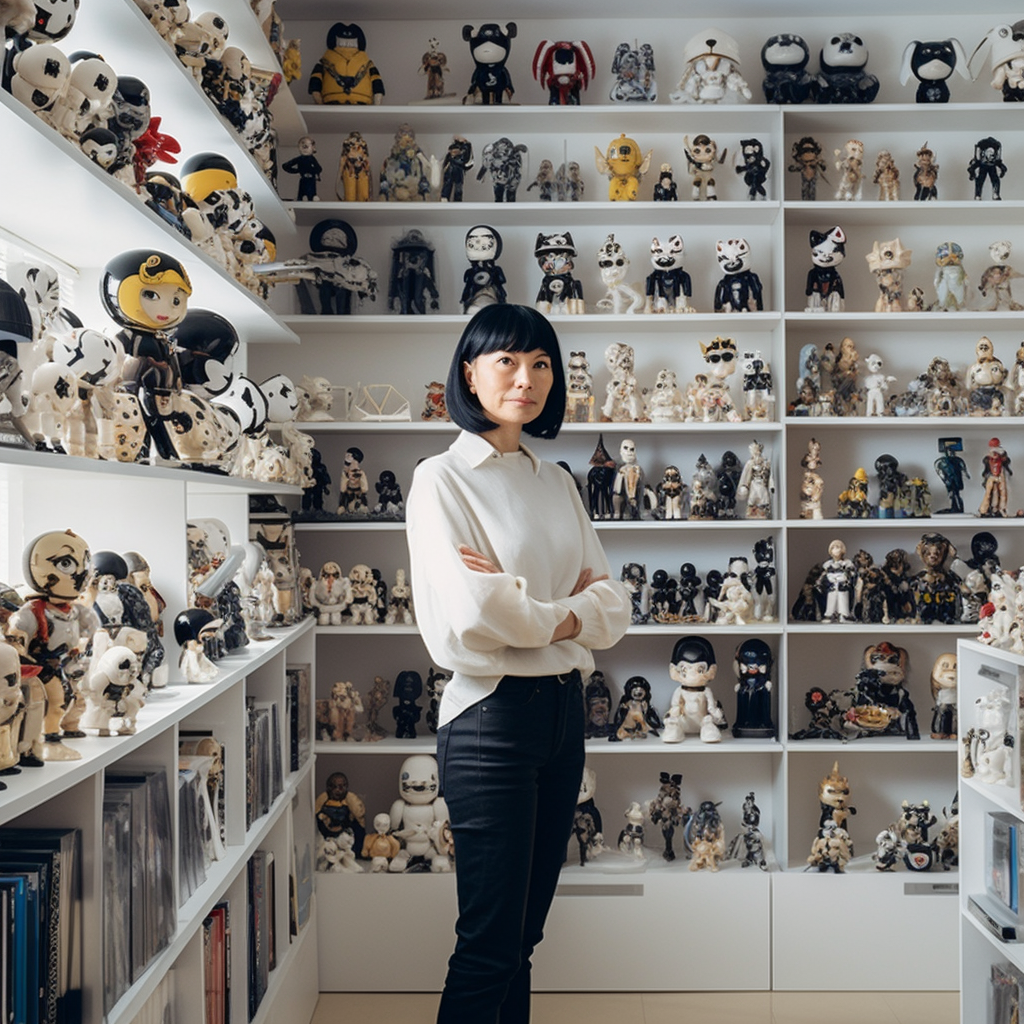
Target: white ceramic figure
(112, 688)
(693, 707)
(330, 595)
(621, 297)
(876, 384)
(418, 811)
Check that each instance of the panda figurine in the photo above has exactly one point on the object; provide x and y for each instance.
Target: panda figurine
(842, 78)
(787, 80)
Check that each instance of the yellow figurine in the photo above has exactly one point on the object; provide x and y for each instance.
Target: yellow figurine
(624, 166)
(291, 62)
(345, 74)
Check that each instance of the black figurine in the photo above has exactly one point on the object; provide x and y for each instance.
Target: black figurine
(408, 689)
(786, 79)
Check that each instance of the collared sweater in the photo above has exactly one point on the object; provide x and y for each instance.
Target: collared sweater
(526, 516)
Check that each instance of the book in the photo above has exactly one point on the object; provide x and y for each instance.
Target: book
(258, 930)
(37, 936)
(1007, 992)
(299, 695)
(16, 927)
(117, 911)
(1002, 857)
(216, 965)
(301, 882)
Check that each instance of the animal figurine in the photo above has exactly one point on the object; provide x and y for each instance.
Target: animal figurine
(932, 63)
(784, 58)
(668, 286)
(489, 46)
(1004, 45)
(824, 290)
(712, 69)
(621, 296)
(565, 68)
(843, 78)
(739, 290)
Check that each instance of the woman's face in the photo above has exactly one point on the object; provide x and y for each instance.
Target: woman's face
(512, 387)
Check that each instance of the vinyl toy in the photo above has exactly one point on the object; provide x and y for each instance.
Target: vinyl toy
(712, 70)
(995, 473)
(503, 160)
(752, 664)
(489, 47)
(705, 836)
(984, 380)
(701, 156)
(559, 292)
(565, 69)
(824, 285)
(932, 64)
(739, 290)
(926, 175)
(579, 389)
(665, 188)
(194, 628)
(843, 78)
(345, 74)
(716, 403)
(613, 263)
(668, 286)
(458, 159)
(876, 384)
(412, 287)
(631, 838)
(995, 281)
(881, 704)
(754, 166)
(587, 827)
(757, 483)
(667, 810)
(987, 165)
(850, 164)
(408, 174)
(330, 595)
(633, 68)
(887, 261)
(887, 177)
(433, 66)
(390, 504)
(484, 281)
(635, 716)
(630, 492)
(1003, 44)
(354, 174)
(808, 163)
(937, 587)
(944, 692)
(784, 58)
(408, 689)
(624, 165)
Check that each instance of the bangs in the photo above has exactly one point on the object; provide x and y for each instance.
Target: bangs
(508, 328)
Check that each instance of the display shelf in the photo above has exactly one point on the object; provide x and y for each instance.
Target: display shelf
(874, 628)
(868, 213)
(980, 118)
(882, 745)
(600, 525)
(933, 424)
(922, 523)
(765, 427)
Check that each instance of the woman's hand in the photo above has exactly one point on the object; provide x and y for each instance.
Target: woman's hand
(586, 578)
(476, 561)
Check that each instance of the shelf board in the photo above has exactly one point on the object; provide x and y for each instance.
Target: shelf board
(930, 423)
(874, 627)
(929, 523)
(650, 630)
(1007, 797)
(930, 118)
(384, 526)
(906, 213)
(884, 744)
(418, 426)
(967, 320)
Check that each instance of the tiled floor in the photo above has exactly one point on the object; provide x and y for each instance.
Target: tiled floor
(670, 1008)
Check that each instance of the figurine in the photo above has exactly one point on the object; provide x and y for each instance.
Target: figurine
(633, 68)
(701, 156)
(668, 287)
(995, 471)
(887, 177)
(489, 47)
(881, 703)
(560, 292)
(739, 290)
(989, 744)
(833, 798)
(944, 693)
(693, 707)
(569, 183)
(952, 470)
(836, 582)
(995, 281)
(751, 839)
(631, 838)
(408, 174)
(665, 188)
(630, 492)
(458, 159)
(937, 588)
(635, 716)
(195, 629)
(579, 389)
(600, 479)
(330, 595)
(624, 165)
(842, 78)
(887, 261)
(758, 400)
(926, 175)
(984, 380)
(433, 65)
(363, 606)
(338, 810)
(703, 491)
(932, 63)
(623, 403)
(850, 164)
(621, 296)
(735, 606)
(597, 703)
(876, 384)
(586, 822)
(667, 810)
(824, 285)
(390, 503)
(436, 682)
(754, 167)
(354, 174)
(634, 579)
(715, 401)
(564, 68)
(813, 485)
(1003, 43)
(503, 160)
(705, 836)
(484, 281)
(763, 584)
(853, 502)
(345, 74)
(757, 483)
(412, 287)
(842, 369)
(808, 163)
(665, 403)
(307, 167)
(753, 665)
(712, 69)
(419, 817)
(380, 847)
(987, 164)
(784, 58)
(408, 689)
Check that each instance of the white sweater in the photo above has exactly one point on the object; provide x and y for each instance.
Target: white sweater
(526, 516)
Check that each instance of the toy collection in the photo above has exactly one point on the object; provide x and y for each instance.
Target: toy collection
(933, 63)
(565, 68)
(701, 156)
(559, 292)
(693, 707)
(345, 74)
(633, 68)
(489, 46)
(484, 281)
(624, 164)
(354, 173)
(712, 70)
(739, 290)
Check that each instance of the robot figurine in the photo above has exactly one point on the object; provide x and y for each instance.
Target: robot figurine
(624, 165)
(412, 287)
(987, 165)
(345, 74)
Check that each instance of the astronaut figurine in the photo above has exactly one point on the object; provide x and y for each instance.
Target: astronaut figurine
(693, 707)
(416, 814)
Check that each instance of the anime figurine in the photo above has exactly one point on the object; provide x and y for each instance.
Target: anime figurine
(739, 289)
(932, 63)
(458, 159)
(406, 713)
(1002, 43)
(754, 166)
(701, 156)
(836, 582)
(408, 174)
(631, 838)
(503, 160)
(354, 174)
(944, 692)
(484, 281)
(952, 470)
(705, 836)
(887, 261)
(345, 74)
(808, 163)
(412, 286)
(587, 826)
(489, 46)
(635, 716)
(624, 165)
(667, 811)
(757, 483)
(876, 384)
(633, 68)
(842, 78)
(850, 164)
(433, 65)
(937, 587)
(752, 664)
(600, 478)
(668, 287)
(824, 285)
(984, 380)
(565, 69)
(693, 707)
(621, 297)
(926, 175)
(995, 281)
(784, 58)
(987, 165)
(887, 177)
(995, 471)
(712, 70)
(307, 167)
(560, 292)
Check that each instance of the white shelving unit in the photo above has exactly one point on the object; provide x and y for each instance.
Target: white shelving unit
(781, 911)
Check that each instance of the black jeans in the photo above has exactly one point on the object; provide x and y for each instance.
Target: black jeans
(510, 769)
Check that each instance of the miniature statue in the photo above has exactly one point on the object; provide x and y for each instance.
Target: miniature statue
(937, 587)
(757, 483)
(597, 702)
(354, 173)
(995, 281)
(634, 579)
(631, 838)
(399, 602)
(701, 156)
(665, 402)
(600, 478)
(630, 492)
(564, 68)
(560, 292)
(987, 165)
(880, 701)
(345, 74)
(338, 810)
(739, 290)
(887, 177)
(952, 470)
(436, 682)
(623, 403)
(876, 384)
(408, 174)
(712, 70)
(713, 397)
(665, 188)
(984, 381)
(944, 693)
(764, 580)
(750, 840)
(503, 160)
(668, 286)
(951, 279)
(569, 183)
(888, 850)
(621, 296)
(390, 503)
(754, 166)
(579, 389)
(735, 605)
(808, 163)
(633, 68)
(586, 823)
(484, 281)
(703, 491)
(758, 400)
(635, 716)
(836, 582)
(753, 666)
(832, 848)
(705, 836)
(489, 46)
(932, 63)
(812, 485)
(408, 689)
(926, 175)
(667, 810)
(330, 595)
(412, 287)
(850, 164)
(784, 58)
(433, 65)
(380, 847)
(458, 159)
(989, 744)
(833, 798)
(887, 261)
(112, 688)
(842, 78)
(1002, 42)
(842, 368)
(995, 471)
(307, 167)
(693, 707)
(624, 165)
(195, 629)
(824, 285)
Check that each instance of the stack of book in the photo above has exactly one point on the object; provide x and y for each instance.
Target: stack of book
(217, 965)
(261, 926)
(297, 701)
(264, 775)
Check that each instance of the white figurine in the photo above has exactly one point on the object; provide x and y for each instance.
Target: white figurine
(995, 281)
(984, 381)
(399, 602)
(621, 296)
(112, 688)
(735, 603)
(380, 847)
(693, 707)
(417, 813)
(665, 403)
(950, 277)
(713, 396)
(630, 492)
(631, 838)
(986, 747)
(758, 400)
(876, 384)
(363, 606)
(623, 402)
(838, 575)
(850, 164)
(712, 70)
(330, 595)
(757, 483)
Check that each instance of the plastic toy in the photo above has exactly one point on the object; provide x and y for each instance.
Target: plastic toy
(635, 716)
(843, 78)
(944, 693)
(559, 292)
(824, 285)
(850, 164)
(112, 689)
(633, 68)
(754, 166)
(433, 65)
(808, 163)
(987, 165)
(995, 473)
(984, 380)
(458, 159)
(307, 167)
(752, 664)
(757, 483)
(345, 74)
(621, 297)
(668, 287)
(739, 290)
(987, 746)
(354, 174)
(932, 64)
(399, 602)
(565, 69)
(750, 841)
(412, 286)
(489, 47)
(995, 281)
(701, 156)
(406, 713)
(503, 160)
(665, 188)
(705, 836)
(667, 811)
(631, 838)
(926, 175)
(887, 261)
(624, 165)
(408, 174)
(836, 582)
(937, 588)
(587, 827)
(484, 281)
(1003, 44)
(876, 384)
(784, 58)
(952, 470)
(712, 70)
(887, 177)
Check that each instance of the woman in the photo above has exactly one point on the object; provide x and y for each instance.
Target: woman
(512, 593)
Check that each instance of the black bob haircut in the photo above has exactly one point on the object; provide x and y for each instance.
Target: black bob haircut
(505, 327)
